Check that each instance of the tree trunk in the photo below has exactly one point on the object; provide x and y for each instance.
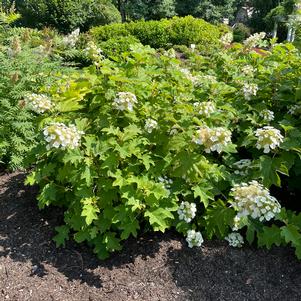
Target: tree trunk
(275, 29)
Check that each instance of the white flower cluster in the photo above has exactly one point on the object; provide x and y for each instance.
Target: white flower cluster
(165, 181)
(295, 109)
(188, 75)
(125, 101)
(236, 223)
(268, 138)
(267, 115)
(254, 200)
(235, 240)
(93, 52)
(150, 125)
(248, 70)
(187, 211)
(213, 139)
(58, 135)
(194, 239)
(249, 90)
(171, 53)
(39, 103)
(205, 108)
(242, 167)
(254, 40)
(227, 39)
(71, 39)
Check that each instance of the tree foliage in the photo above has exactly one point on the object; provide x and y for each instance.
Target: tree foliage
(67, 15)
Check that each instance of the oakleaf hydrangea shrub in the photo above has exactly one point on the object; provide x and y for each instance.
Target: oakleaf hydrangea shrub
(142, 143)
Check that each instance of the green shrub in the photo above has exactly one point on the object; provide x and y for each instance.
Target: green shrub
(115, 47)
(240, 32)
(23, 70)
(149, 142)
(67, 15)
(164, 33)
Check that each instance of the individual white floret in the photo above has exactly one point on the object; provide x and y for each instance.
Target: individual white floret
(213, 139)
(254, 200)
(267, 115)
(125, 101)
(249, 90)
(39, 103)
(235, 240)
(205, 108)
(268, 138)
(194, 239)
(59, 135)
(150, 125)
(187, 211)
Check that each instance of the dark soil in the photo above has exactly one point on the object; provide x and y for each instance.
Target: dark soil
(154, 267)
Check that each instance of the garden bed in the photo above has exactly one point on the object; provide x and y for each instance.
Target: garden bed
(150, 268)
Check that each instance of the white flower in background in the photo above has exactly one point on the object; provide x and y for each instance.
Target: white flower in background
(235, 240)
(267, 115)
(171, 53)
(242, 167)
(249, 90)
(205, 108)
(150, 125)
(254, 40)
(39, 103)
(59, 135)
(248, 70)
(268, 138)
(71, 39)
(227, 39)
(209, 78)
(125, 101)
(93, 52)
(188, 75)
(192, 47)
(295, 109)
(194, 239)
(187, 211)
(254, 200)
(213, 139)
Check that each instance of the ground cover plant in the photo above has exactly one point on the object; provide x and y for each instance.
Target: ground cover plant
(149, 142)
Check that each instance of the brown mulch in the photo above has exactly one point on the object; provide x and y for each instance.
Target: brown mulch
(154, 267)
